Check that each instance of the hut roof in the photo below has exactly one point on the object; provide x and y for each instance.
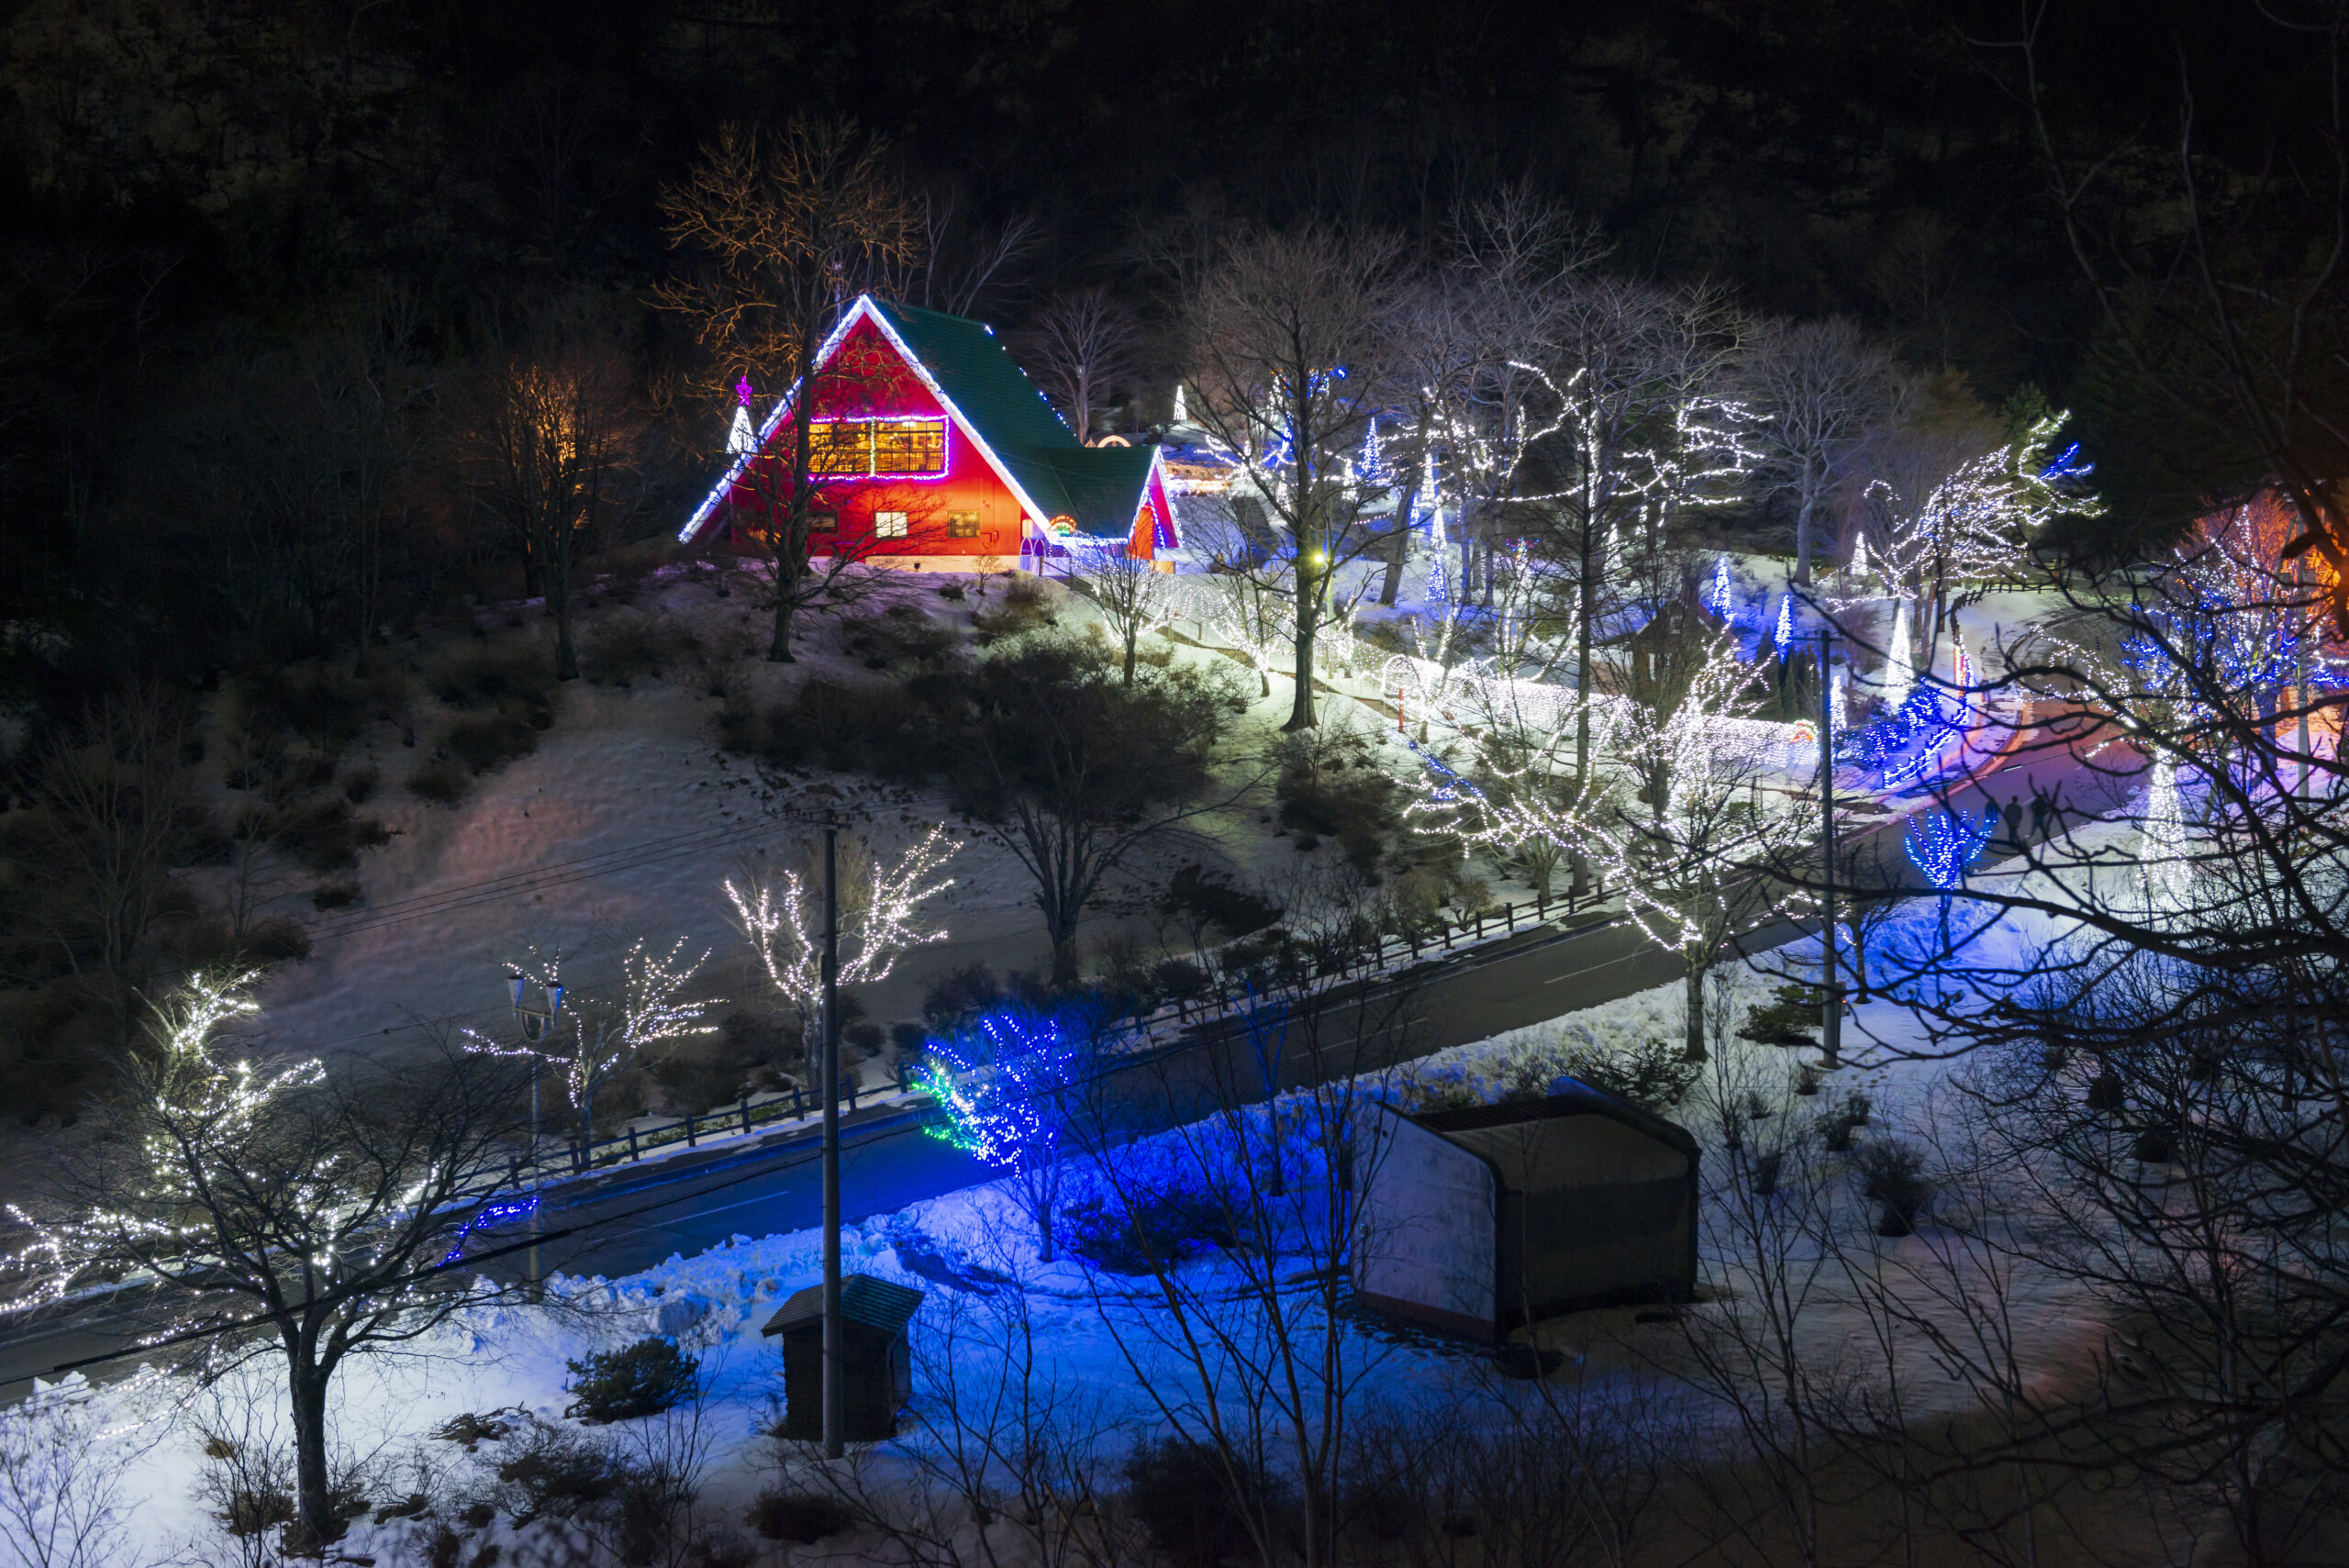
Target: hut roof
(1509, 1137)
(863, 1299)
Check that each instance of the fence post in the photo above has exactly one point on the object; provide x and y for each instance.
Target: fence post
(798, 1101)
(853, 1079)
(1509, 916)
(634, 1153)
(578, 1158)
(1447, 935)
(689, 1129)
(746, 1115)
(1542, 904)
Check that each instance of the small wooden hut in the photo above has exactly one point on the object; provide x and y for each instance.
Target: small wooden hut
(879, 1374)
(1481, 1219)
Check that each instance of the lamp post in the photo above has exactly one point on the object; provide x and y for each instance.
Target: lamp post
(536, 1024)
(1830, 1031)
(835, 1381)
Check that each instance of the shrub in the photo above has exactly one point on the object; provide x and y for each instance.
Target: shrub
(325, 835)
(2154, 1146)
(274, 939)
(959, 994)
(1766, 1167)
(2106, 1093)
(1187, 1495)
(907, 1037)
(1025, 606)
(554, 1471)
(805, 1518)
(1146, 1233)
(900, 633)
(1893, 1174)
(493, 677)
(1807, 1081)
(1211, 898)
(1796, 1008)
(642, 1379)
(627, 647)
(866, 1037)
(439, 781)
(1330, 786)
(489, 741)
(1652, 1074)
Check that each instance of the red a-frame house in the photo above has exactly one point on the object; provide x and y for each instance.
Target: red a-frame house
(932, 450)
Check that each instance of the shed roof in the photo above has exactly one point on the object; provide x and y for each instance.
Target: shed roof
(1526, 1159)
(877, 1303)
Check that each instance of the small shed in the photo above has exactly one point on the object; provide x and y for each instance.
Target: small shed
(1481, 1219)
(879, 1374)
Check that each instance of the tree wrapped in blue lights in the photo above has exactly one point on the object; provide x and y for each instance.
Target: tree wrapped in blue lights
(1922, 722)
(1944, 844)
(1010, 1086)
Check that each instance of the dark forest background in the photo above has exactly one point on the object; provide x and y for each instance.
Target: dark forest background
(252, 253)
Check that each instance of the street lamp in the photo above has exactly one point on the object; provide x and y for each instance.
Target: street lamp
(1830, 1030)
(536, 1024)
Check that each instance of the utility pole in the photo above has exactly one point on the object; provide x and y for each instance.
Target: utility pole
(835, 1381)
(537, 1023)
(1830, 1031)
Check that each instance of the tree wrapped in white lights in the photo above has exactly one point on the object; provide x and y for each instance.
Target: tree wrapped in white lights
(597, 1039)
(325, 1207)
(1973, 524)
(1677, 816)
(783, 920)
(2163, 854)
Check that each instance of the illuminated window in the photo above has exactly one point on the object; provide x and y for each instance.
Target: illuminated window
(962, 525)
(888, 525)
(909, 446)
(877, 446)
(839, 446)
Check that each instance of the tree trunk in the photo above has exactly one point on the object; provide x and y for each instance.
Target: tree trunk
(566, 657)
(1401, 552)
(786, 583)
(1044, 1232)
(1133, 636)
(1300, 713)
(312, 1500)
(1802, 537)
(1692, 1000)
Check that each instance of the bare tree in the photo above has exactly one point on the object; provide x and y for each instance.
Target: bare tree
(1072, 770)
(598, 1040)
(783, 234)
(319, 1206)
(113, 814)
(1083, 345)
(549, 440)
(1292, 336)
(1822, 383)
(1133, 595)
(63, 1497)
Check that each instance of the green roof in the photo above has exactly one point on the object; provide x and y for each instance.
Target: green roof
(1100, 487)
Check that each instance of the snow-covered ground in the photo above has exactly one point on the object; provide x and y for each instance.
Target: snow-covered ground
(990, 1302)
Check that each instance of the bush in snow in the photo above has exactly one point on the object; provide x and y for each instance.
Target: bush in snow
(642, 1379)
(1193, 1505)
(1894, 1175)
(802, 1517)
(1151, 1230)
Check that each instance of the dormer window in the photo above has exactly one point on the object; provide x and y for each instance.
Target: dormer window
(877, 447)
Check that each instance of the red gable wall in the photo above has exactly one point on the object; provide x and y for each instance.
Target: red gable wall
(882, 385)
